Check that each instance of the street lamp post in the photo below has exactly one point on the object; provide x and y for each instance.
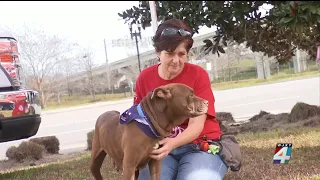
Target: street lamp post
(135, 34)
(318, 52)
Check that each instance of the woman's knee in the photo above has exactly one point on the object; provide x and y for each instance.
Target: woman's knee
(202, 174)
(201, 165)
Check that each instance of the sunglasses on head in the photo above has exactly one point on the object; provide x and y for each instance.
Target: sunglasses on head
(174, 31)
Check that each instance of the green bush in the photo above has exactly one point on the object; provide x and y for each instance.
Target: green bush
(51, 143)
(89, 139)
(26, 150)
(11, 152)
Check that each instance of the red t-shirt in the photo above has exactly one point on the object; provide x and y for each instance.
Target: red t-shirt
(192, 75)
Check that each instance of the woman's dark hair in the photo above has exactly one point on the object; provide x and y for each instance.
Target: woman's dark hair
(171, 42)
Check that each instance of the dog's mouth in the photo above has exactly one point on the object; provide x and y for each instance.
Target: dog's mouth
(200, 110)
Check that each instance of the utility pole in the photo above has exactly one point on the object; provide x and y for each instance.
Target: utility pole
(263, 68)
(154, 19)
(135, 34)
(107, 65)
(138, 53)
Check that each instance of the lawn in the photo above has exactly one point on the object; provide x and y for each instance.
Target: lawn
(257, 151)
(281, 77)
(79, 100)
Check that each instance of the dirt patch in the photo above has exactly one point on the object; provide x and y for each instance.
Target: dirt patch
(258, 116)
(224, 118)
(301, 115)
(302, 111)
(264, 123)
(312, 122)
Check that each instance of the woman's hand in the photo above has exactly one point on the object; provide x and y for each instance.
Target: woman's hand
(166, 146)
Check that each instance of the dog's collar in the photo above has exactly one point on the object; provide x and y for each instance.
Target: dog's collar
(140, 111)
(137, 114)
(147, 118)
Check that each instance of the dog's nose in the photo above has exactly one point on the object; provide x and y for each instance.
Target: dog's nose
(206, 103)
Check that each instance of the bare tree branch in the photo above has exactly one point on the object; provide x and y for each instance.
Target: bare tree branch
(41, 55)
(86, 62)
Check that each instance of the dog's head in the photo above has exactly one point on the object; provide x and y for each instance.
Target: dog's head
(179, 100)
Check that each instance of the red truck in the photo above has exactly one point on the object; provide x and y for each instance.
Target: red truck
(20, 110)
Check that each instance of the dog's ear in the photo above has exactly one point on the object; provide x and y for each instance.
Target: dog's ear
(161, 93)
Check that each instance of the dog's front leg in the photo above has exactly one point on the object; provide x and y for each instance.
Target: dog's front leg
(155, 169)
(128, 173)
(129, 168)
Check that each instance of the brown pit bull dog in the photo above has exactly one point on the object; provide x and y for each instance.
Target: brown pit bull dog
(129, 137)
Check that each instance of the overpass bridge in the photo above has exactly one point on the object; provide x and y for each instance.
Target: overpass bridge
(127, 69)
(122, 69)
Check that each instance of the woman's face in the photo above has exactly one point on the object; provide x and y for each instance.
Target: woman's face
(173, 62)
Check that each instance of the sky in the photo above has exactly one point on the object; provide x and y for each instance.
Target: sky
(86, 22)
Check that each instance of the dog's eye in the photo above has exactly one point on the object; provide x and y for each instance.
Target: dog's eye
(191, 95)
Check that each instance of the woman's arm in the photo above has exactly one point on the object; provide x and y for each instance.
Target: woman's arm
(193, 130)
(191, 133)
(195, 125)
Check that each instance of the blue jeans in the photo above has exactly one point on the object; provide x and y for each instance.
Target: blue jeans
(189, 163)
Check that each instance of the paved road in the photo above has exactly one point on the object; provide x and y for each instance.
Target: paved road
(71, 125)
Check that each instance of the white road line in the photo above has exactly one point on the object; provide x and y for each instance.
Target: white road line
(259, 102)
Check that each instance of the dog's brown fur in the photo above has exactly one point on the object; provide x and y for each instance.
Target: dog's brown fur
(128, 146)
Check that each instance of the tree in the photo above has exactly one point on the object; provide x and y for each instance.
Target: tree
(41, 54)
(86, 62)
(287, 26)
(66, 68)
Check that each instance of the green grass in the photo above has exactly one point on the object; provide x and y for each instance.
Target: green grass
(66, 101)
(283, 76)
(257, 152)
